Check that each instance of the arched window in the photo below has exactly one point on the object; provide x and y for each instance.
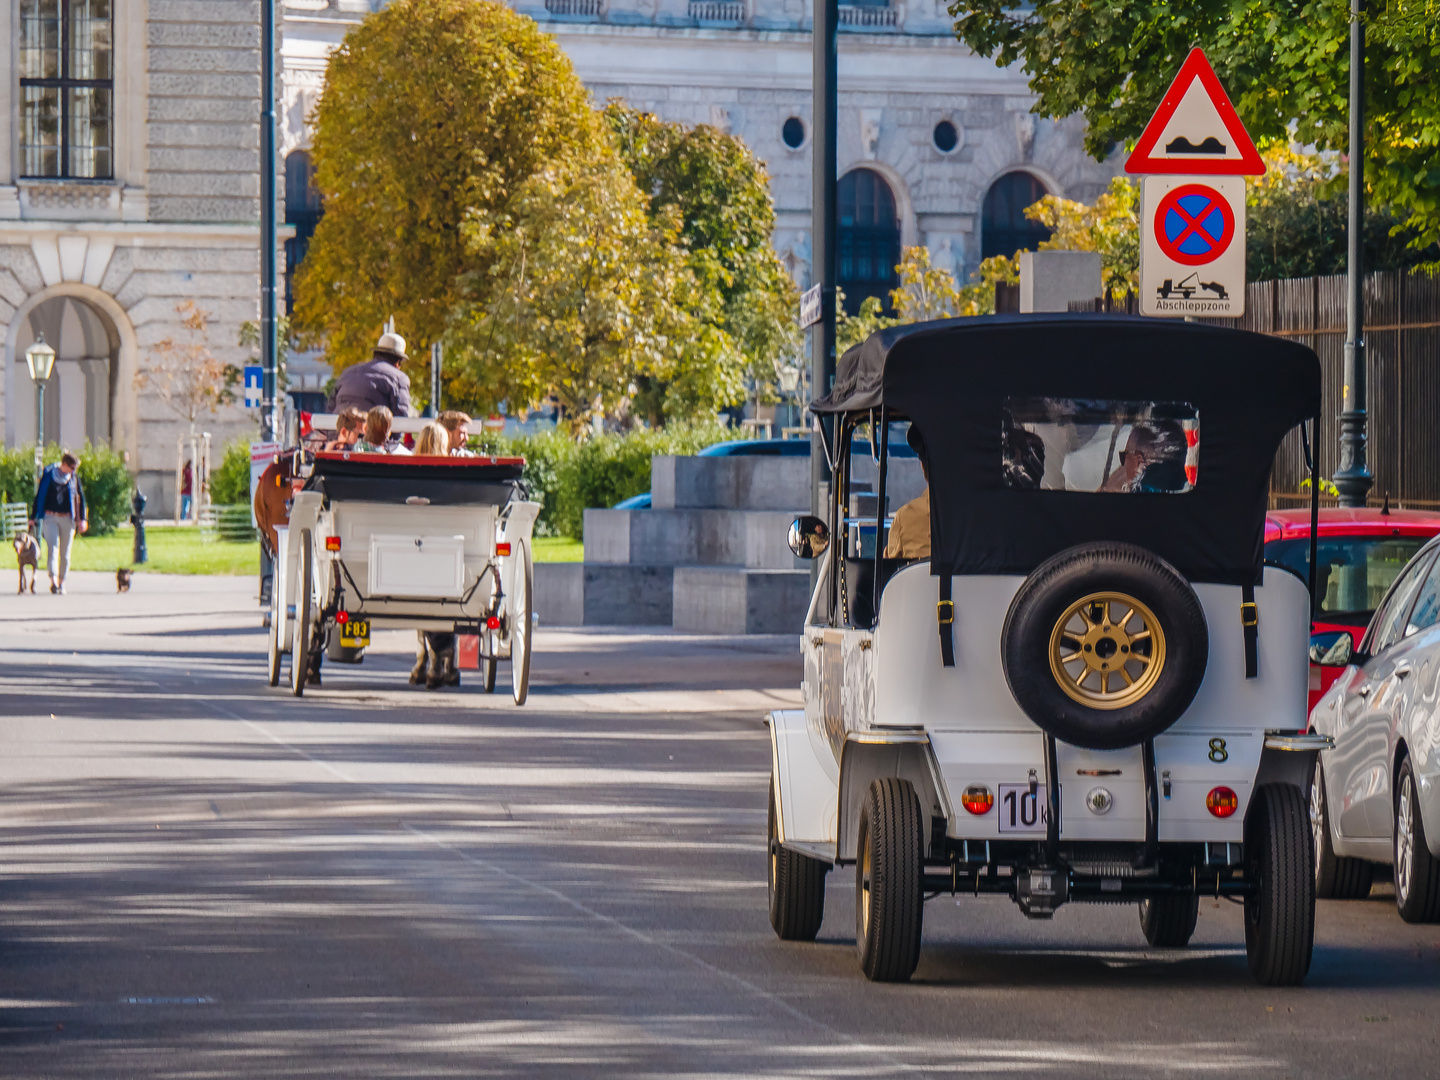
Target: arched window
(867, 238)
(81, 389)
(1004, 228)
(302, 210)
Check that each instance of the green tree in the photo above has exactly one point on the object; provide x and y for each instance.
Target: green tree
(583, 292)
(434, 112)
(1110, 227)
(1285, 64)
(743, 302)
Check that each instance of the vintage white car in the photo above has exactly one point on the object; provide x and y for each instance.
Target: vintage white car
(1087, 687)
(440, 544)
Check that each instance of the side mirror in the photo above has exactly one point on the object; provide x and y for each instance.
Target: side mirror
(809, 537)
(1332, 648)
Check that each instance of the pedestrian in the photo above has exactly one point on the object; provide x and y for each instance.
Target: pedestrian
(378, 381)
(60, 513)
(457, 424)
(187, 488)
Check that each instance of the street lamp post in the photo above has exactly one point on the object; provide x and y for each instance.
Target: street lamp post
(1353, 478)
(269, 336)
(824, 118)
(40, 358)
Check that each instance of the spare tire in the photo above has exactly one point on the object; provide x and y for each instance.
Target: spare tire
(1105, 645)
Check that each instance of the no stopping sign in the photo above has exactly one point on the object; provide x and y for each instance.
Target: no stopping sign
(1194, 225)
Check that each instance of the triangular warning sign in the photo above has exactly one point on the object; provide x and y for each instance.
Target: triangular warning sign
(1195, 130)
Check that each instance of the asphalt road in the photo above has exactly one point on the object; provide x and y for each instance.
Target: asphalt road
(203, 877)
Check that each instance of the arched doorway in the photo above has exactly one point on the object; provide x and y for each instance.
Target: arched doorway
(80, 396)
(1004, 228)
(303, 211)
(867, 238)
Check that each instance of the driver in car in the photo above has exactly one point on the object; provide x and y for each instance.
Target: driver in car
(910, 529)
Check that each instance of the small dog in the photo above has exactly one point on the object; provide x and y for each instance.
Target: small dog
(122, 580)
(27, 553)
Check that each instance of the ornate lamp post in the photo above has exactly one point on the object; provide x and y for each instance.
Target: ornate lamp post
(41, 359)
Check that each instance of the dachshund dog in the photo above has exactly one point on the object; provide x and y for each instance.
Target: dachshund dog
(122, 580)
(27, 553)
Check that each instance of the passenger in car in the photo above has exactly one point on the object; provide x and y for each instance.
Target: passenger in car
(910, 529)
(1153, 460)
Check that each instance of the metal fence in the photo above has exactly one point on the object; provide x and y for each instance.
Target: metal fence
(1402, 346)
(14, 517)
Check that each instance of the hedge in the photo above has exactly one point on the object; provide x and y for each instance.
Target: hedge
(106, 481)
(567, 477)
(230, 479)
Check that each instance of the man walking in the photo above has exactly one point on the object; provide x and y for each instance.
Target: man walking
(59, 510)
(378, 381)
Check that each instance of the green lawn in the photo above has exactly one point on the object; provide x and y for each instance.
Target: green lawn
(184, 551)
(171, 551)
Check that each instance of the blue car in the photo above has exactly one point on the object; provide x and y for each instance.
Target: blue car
(765, 448)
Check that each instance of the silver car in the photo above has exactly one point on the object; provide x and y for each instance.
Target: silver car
(1374, 799)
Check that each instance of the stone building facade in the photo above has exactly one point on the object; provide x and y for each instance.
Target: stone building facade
(937, 146)
(129, 184)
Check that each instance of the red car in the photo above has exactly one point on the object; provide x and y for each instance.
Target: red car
(1361, 551)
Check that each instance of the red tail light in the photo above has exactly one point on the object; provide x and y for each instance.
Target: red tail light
(493, 622)
(977, 799)
(1222, 802)
(332, 543)
(342, 617)
(502, 549)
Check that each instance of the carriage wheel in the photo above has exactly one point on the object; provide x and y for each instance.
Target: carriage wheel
(272, 672)
(522, 627)
(304, 607)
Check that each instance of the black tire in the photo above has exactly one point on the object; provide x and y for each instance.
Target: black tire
(1417, 872)
(304, 609)
(795, 886)
(1337, 877)
(522, 626)
(889, 901)
(491, 666)
(1280, 914)
(1051, 591)
(1169, 921)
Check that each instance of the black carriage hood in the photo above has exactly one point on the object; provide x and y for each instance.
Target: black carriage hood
(951, 378)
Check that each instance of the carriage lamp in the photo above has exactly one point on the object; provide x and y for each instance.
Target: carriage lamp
(1222, 802)
(342, 617)
(977, 799)
(492, 623)
(332, 543)
(502, 549)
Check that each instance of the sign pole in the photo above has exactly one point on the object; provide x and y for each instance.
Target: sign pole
(1353, 477)
(269, 345)
(822, 236)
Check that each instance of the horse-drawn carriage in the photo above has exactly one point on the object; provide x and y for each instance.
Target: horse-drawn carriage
(381, 541)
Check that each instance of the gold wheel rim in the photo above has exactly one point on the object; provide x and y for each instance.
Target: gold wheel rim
(1107, 650)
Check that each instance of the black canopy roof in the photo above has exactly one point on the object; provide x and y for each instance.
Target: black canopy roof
(951, 379)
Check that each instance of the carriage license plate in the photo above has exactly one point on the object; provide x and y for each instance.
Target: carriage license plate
(1022, 812)
(355, 634)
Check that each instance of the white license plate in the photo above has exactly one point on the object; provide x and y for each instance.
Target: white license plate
(1022, 812)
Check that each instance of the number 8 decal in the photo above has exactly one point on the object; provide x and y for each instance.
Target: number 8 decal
(1218, 751)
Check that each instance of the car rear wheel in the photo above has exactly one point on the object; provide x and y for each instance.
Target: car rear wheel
(795, 885)
(1105, 645)
(1280, 914)
(1337, 877)
(1169, 921)
(889, 902)
(1417, 872)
